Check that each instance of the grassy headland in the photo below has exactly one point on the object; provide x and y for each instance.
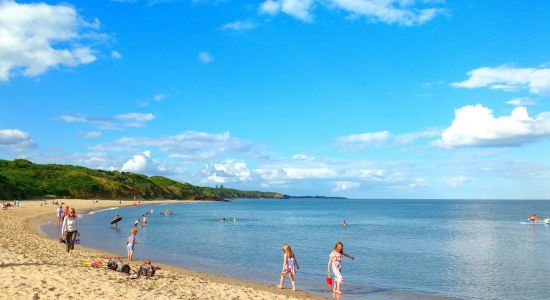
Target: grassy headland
(22, 179)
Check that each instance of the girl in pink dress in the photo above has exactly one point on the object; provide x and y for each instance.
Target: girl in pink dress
(290, 264)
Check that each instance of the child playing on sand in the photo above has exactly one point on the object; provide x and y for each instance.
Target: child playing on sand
(290, 264)
(130, 243)
(335, 261)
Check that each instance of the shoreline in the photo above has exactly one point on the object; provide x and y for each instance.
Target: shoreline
(32, 256)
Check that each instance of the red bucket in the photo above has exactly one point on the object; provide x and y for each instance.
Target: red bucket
(329, 280)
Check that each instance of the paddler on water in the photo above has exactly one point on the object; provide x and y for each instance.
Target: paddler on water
(533, 218)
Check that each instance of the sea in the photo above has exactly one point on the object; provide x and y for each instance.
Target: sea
(403, 249)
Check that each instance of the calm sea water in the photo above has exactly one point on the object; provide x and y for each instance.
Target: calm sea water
(403, 248)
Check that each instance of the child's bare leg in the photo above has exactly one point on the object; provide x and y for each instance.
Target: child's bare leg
(337, 290)
(293, 281)
(282, 280)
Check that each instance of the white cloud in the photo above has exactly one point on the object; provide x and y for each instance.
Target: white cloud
(508, 78)
(456, 181)
(110, 123)
(139, 163)
(418, 182)
(15, 139)
(301, 157)
(229, 171)
(116, 55)
(407, 13)
(475, 126)
(90, 134)
(408, 138)
(270, 7)
(371, 173)
(187, 146)
(37, 37)
(300, 9)
(363, 140)
(388, 11)
(340, 186)
(155, 98)
(522, 101)
(239, 26)
(205, 57)
(159, 97)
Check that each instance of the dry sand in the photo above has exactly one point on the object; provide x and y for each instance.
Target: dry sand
(33, 266)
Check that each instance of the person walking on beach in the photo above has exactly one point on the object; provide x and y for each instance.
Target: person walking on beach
(290, 264)
(69, 230)
(335, 261)
(59, 214)
(66, 212)
(130, 243)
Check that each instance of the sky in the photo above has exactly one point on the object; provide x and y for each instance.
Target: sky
(357, 98)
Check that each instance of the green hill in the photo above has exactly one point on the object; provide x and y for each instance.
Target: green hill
(21, 179)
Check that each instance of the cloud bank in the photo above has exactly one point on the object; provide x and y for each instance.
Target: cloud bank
(476, 126)
(37, 37)
(406, 13)
(110, 123)
(507, 78)
(15, 139)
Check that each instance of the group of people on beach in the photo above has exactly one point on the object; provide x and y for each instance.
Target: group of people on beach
(69, 233)
(290, 266)
(132, 241)
(16, 203)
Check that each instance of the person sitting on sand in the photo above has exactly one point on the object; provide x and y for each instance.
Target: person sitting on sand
(69, 230)
(533, 218)
(130, 243)
(290, 264)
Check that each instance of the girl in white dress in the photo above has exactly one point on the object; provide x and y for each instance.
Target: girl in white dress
(335, 261)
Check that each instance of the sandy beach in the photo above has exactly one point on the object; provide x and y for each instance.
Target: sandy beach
(33, 266)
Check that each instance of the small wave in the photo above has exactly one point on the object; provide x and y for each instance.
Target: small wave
(105, 209)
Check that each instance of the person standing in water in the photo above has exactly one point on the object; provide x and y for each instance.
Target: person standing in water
(116, 219)
(335, 263)
(130, 243)
(290, 264)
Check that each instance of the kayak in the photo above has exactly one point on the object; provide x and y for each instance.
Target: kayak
(534, 223)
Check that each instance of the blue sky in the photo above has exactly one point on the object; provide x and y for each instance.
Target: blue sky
(357, 98)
